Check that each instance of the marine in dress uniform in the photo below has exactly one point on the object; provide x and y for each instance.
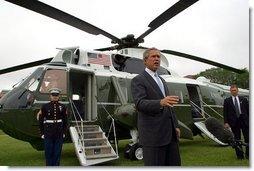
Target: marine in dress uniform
(53, 125)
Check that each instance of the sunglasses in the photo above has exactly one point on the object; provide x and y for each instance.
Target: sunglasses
(54, 94)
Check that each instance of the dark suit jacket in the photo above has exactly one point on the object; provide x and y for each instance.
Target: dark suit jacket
(154, 122)
(229, 112)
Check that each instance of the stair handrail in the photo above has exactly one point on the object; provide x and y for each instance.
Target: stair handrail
(200, 109)
(80, 132)
(211, 109)
(114, 129)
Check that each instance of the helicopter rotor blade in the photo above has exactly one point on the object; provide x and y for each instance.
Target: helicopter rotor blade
(196, 58)
(117, 47)
(24, 66)
(64, 17)
(166, 15)
(108, 48)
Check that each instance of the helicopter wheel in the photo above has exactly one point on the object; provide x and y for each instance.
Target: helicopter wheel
(136, 152)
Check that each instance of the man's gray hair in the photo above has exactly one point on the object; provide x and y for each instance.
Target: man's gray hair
(147, 51)
(233, 85)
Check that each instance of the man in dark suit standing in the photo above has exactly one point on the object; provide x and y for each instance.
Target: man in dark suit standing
(157, 123)
(236, 117)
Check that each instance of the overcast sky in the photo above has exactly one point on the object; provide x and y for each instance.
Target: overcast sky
(214, 29)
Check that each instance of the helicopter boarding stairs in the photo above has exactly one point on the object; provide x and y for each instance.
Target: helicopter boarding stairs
(90, 142)
(200, 122)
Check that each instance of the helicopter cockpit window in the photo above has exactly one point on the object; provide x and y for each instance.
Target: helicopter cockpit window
(31, 83)
(26, 95)
(54, 79)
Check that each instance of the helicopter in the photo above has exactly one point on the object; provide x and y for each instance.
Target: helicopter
(95, 86)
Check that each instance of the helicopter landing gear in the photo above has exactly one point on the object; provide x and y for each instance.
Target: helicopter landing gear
(133, 150)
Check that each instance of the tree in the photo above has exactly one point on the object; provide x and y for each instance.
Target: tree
(222, 76)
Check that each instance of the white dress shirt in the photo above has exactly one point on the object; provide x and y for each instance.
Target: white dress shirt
(152, 74)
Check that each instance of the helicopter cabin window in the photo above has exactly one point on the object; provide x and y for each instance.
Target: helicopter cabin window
(133, 65)
(54, 79)
(67, 56)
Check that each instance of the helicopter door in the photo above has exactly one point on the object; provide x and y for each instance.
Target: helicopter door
(83, 92)
(195, 101)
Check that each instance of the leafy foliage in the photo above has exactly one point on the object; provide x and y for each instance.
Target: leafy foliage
(222, 76)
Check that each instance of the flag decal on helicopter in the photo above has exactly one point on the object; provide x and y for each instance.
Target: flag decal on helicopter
(101, 59)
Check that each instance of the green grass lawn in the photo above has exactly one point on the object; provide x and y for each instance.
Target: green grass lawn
(197, 152)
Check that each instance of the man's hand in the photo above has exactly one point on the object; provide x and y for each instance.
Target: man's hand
(63, 135)
(226, 125)
(38, 115)
(169, 101)
(42, 136)
(178, 133)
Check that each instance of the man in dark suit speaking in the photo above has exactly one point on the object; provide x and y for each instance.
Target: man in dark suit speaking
(157, 123)
(236, 117)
